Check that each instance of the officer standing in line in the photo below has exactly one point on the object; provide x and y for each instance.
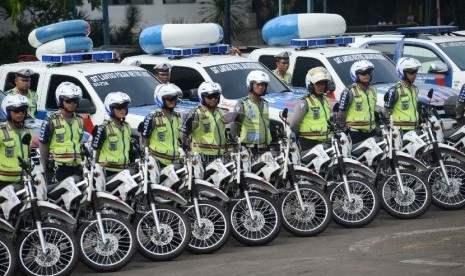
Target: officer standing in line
(112, 138)
(282, 65)
(251, 114)
(460, 107)
(206, 124)
(61, 134)
(312, 112)
(358, 103)
(163, 72)
(161, 127)
(14, 108)
(402, 98)
(23, 85)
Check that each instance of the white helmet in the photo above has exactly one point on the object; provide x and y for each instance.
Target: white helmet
(66, 91)
(317, 74)
(359, 67)
(257, 76)
(13, 101)
(407, 64)
(114, 99)
(165, 90)
(208, 88)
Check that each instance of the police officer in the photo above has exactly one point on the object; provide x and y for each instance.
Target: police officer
(460, 106)
(402, 98)
(282, 65)
(161, 127)
(61, 134)
(358, 103)
(206, 124)
(14, 108)
(251, 114)
(312, 112)
(23, 85)
(163, 72)
(112, 138)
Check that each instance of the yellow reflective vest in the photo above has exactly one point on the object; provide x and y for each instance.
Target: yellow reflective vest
(404, 111)
(10, 148)
(209, 135)
(314, 125)
(255, 128)
(114, 154)
(361, 112)
(65, 144)
(164, 144)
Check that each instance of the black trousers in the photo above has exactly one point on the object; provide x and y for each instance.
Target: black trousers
(359, 136)
(63, 172)
(306, 144)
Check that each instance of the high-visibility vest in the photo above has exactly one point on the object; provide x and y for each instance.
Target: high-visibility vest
(314, 125)
(164, 145)
(361, 112)
(114, 153)
(65, 144)
(255, 128)
(209, 136)
(404, 111)
(10, 148)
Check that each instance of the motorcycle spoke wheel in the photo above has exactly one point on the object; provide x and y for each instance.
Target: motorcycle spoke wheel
(60, 257)
(170, 241)
(214, 230)
(262, 228)
(448, 196)
(361, 210)
(110, 254)
(413, 203)
(311, 220)
(7, 258)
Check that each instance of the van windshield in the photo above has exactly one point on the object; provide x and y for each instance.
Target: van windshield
(138, 84)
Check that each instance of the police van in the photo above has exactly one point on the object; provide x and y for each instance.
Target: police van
(333, 54)
(94, 76)
(440, 49)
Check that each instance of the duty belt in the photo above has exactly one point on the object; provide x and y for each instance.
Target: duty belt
(6, 173)
(113, 166)
(161, 155)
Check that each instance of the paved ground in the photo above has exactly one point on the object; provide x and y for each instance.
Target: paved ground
(431, 245)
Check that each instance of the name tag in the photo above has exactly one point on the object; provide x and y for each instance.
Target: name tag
(253, 136)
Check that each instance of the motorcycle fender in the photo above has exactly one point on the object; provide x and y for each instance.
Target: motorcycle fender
(54, 210)
(166, 192)
(312, 176)
(355, 165)
(260, 182)
(449, 150)
(408, 158)
(204, 186)
(116, 202)
(5, 225)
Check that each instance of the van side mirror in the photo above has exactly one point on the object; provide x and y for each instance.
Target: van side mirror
(85, 106)
(438, 67)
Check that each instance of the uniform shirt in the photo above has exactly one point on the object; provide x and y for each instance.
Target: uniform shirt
(286, 78)
(461, 103)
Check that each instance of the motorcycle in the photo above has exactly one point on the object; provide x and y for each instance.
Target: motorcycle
(162, 231)
(44, 245)
(305, 208)
(9, 259)
(446, 170)
(354, 200)
(254, 216)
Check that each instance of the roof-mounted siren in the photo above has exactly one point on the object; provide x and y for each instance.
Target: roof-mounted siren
(197, 50)
(436, 30)
(79, 57)
(154, 39)
(281, 30)
(315, 42)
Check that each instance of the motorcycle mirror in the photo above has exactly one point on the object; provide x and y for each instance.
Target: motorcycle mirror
(430, 93)
(284, 114)
(26, 140)
(336, 107)
(140, 127)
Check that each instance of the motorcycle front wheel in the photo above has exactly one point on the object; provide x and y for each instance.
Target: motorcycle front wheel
(361, 209)
(415, 200)
(448, 196)
(213, 231)
(171, 239)
(59, 258)
(260, 229)
(111, 254)
(8, 258)
(310, 220)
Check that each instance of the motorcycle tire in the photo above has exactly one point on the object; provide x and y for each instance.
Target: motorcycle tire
(448, 196)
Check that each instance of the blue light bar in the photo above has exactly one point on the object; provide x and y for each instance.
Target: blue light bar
(197, 50)
(313, 42)
(427, 30)
(79, 57)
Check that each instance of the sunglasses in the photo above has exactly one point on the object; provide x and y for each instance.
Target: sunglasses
(365, 73)
(121, 107)
(69, 101)
(412, 72)
(171, 99)
(24, 80)
(284, 62)
(213, 96)
(164, 74)
(261, 84)
(19, 110)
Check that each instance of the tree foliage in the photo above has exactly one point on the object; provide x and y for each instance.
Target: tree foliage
(213, 11)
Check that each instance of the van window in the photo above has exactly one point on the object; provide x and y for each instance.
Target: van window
(56, 80)
(188, 79)
(302, 65)
(10, 82)
(268, 61)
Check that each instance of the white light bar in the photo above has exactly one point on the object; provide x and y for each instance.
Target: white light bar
(79, 57)
(311, 42)
(197, 50)
(427, 30)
